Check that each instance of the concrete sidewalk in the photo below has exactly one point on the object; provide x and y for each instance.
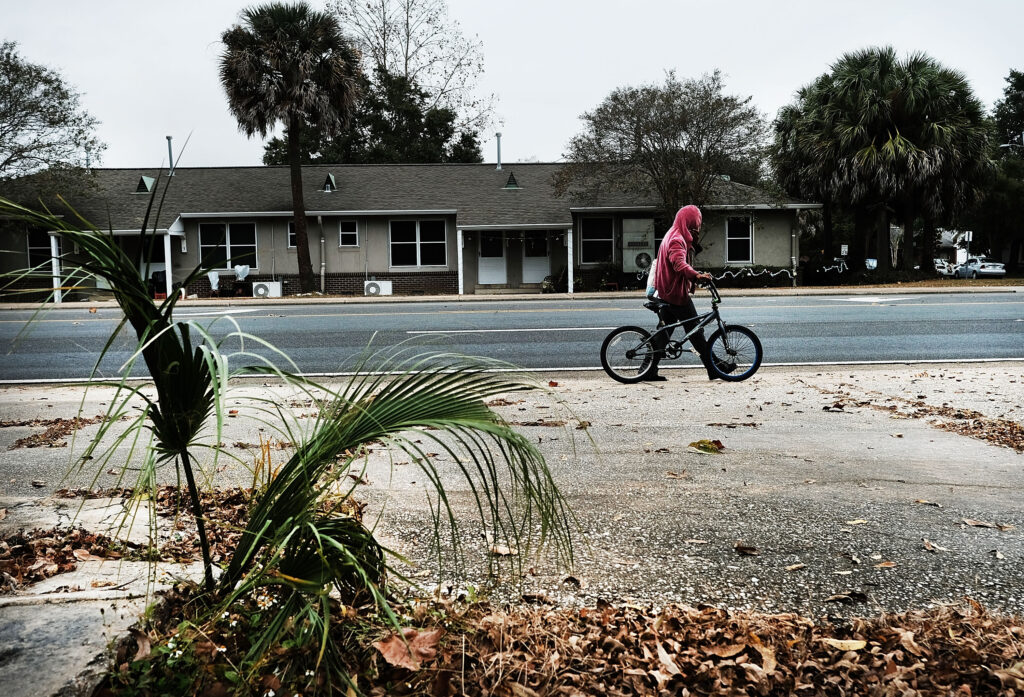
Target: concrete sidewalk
(850, 491)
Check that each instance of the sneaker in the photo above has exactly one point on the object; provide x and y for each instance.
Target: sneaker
(653, 377)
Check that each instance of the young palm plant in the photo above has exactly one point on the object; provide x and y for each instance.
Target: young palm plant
(299, 538)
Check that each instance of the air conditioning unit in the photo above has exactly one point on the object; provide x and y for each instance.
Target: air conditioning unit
(377, 288)
(266, 289)
(637, 244)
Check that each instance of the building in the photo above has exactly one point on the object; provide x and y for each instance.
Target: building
(404, 229)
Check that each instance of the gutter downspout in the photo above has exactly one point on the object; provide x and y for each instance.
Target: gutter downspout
(572, 259)
(55, 269)
(323, 259)
(458, 247)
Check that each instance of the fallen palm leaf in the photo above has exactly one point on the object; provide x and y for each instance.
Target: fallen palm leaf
(745, 550)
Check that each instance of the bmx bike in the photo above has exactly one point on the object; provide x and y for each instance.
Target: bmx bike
(628, 353)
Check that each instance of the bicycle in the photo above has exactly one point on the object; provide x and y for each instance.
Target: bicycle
(628, 353)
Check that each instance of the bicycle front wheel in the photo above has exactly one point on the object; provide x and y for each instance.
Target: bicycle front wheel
(627, 354)
(735, 354)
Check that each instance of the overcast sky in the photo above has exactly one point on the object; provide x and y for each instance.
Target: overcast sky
(149, 70)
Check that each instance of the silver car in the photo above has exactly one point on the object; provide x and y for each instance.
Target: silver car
(980, 266)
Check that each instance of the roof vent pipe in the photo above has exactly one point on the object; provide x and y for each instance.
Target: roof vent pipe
(498, 136)
(170, 158)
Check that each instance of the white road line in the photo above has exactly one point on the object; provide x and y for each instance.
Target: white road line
(209, 313)
(879, 299)
(496, 331)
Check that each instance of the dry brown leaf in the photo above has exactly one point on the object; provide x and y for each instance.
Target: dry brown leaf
(846, 644)
(552, 383)
(745, 550)
(3, 513)
(978, 523)
(767, 654)
(522, 691)
(885, 565)
(932, 547)
(142, 643)
(411, 649)
(85, 555)
(704, 445)
(794, 567)
(503, 551)
(928, 503)
(725, 651)
(102, 584)
(666, 660)
(859, 521)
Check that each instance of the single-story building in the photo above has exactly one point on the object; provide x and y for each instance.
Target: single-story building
(405, 229)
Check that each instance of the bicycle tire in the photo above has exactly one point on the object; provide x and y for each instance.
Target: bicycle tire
(741, 359)
(615, 358)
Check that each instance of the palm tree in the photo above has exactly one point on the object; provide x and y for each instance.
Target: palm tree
(884, 137)
(292, 65)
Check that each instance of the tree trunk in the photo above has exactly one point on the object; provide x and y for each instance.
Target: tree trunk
(929, 244)
(307, 282)
(909, 248)
(880, 223)
(826, 233)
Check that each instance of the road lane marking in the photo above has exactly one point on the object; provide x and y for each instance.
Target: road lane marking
(495, 331)
(879, 299)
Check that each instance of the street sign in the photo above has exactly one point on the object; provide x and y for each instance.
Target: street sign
(844, 249)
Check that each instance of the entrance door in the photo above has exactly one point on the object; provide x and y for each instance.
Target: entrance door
(491, 267)
(535, 257)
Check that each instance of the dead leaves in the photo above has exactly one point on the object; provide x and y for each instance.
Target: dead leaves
(1003, 527)
(524, 652)
(52, 437)
(28, 557)
(411, 649)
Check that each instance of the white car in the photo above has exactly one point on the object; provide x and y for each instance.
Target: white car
(944, 268)
(980, 266)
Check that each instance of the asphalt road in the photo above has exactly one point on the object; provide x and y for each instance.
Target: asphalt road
(65, 343)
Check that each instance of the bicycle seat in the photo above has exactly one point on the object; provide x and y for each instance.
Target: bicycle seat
(655, 305)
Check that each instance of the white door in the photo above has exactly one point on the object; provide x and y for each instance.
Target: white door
(491, 268)
(535, 257)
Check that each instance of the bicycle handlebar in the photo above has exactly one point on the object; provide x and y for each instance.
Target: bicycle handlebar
(712, 288)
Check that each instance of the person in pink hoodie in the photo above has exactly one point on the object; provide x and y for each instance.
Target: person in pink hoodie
(674, 278)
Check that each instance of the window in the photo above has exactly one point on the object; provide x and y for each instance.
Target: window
(739, 241)
(348, 233)
(418, 243)
(597, 241)
(291, 235)
(225, 245)
(39, 250)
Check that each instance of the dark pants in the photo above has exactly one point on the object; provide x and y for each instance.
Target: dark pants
(670, 314)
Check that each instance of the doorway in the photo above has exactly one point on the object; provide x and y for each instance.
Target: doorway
(491, 267)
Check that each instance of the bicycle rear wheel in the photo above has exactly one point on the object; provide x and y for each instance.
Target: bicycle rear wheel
(627, 355)
(735, 354)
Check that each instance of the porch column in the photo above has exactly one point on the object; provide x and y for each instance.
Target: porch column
(793, 244)
(55, 268)
(571, 255)
(168, 281)
(458, 248)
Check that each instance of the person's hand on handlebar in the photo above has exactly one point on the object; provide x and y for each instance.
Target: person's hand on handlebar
(703, 277)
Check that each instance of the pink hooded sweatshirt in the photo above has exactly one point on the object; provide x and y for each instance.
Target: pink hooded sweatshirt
(674, 276)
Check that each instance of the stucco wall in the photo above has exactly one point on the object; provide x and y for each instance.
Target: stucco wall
(772, 238)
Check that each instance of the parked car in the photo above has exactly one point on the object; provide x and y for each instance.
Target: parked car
(944, 268)
(980, 266)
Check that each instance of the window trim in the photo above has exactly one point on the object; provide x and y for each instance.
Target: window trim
(610, 240)
(418, 243)
(227, 243)
(355, 232)
(749, 237)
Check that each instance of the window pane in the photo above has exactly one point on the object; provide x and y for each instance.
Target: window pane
(211, 234)
(432, 254)
(243, 254)
(243, 233)
(595, 252)
(291, 233)
(492, 245)
(214, 256)
(432, 231)
(738, 227)
(535, 244)
(738, 250)
(403, 230)
(596, 229)
(403, 254)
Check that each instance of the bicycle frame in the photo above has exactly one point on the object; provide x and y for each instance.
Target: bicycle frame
(703, 320)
